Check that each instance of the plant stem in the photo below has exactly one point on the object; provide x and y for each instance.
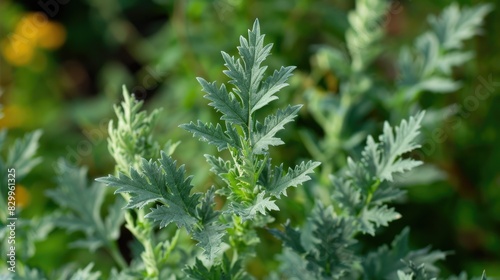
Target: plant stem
(116, 255)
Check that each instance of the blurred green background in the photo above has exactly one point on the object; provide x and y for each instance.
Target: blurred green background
(72, 58)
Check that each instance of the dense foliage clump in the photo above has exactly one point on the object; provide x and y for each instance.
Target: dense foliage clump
(315, 215)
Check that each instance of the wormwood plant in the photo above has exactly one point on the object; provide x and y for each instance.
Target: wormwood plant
(325, 248)
(19, 161)
(158, 205)
(251, 183)
(348, 90)
(15, 166)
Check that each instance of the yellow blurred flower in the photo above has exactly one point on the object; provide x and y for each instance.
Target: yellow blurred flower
(17, 52)
(13, 116)
(22, 196)
(52, 35)
(33, 31)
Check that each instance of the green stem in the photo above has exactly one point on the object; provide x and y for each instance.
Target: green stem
(145, 238)
(116, 255)
(173, 244)
(149, 252)
(372, 190)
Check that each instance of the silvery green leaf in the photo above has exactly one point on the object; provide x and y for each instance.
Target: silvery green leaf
(224, 102)
(213, 134)
(86, 274)
(163, 182)
(22, 155)
(455, 25)
(265, 134)
(259, 205)
(281, 181)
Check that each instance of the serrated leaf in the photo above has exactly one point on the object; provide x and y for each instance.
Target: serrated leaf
(428, 46)
(225, 270)
(142, 191)
(264, 134)
(271, 86)
(83, 204)
(218, 165)
(386, 193)
(399, 166)
(172, 214)
(130, 139)
(224, 102)
(279, 183)
(439, 50)
(259, 205)
(362, 189)
(86, 274)
(347, 197)
(403, 138)
(382, 161)
(205, 210)
(331, 254)
(404, 276)
(178, 185)
(455, 25)
(385, 262)
(452, 59)
(362, 173)
(417, 272)
(209, 133)
(200, 272)
(160, 181)
(209, 238)
(250, 93)
(374, 217)
(246, 74)
(364, 33)
(22, 155)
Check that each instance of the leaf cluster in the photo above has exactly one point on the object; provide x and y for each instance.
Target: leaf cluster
(132, 137)
(250, 182)
(327, 244)
(82, 205)
(428, 65)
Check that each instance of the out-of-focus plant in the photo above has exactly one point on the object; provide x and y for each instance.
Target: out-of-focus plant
(16, 231)
(348, 90)
(326, 247)
(347, 109)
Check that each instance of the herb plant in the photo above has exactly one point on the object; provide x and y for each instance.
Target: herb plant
(251, 183)
(353, 90)
(182, 231)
